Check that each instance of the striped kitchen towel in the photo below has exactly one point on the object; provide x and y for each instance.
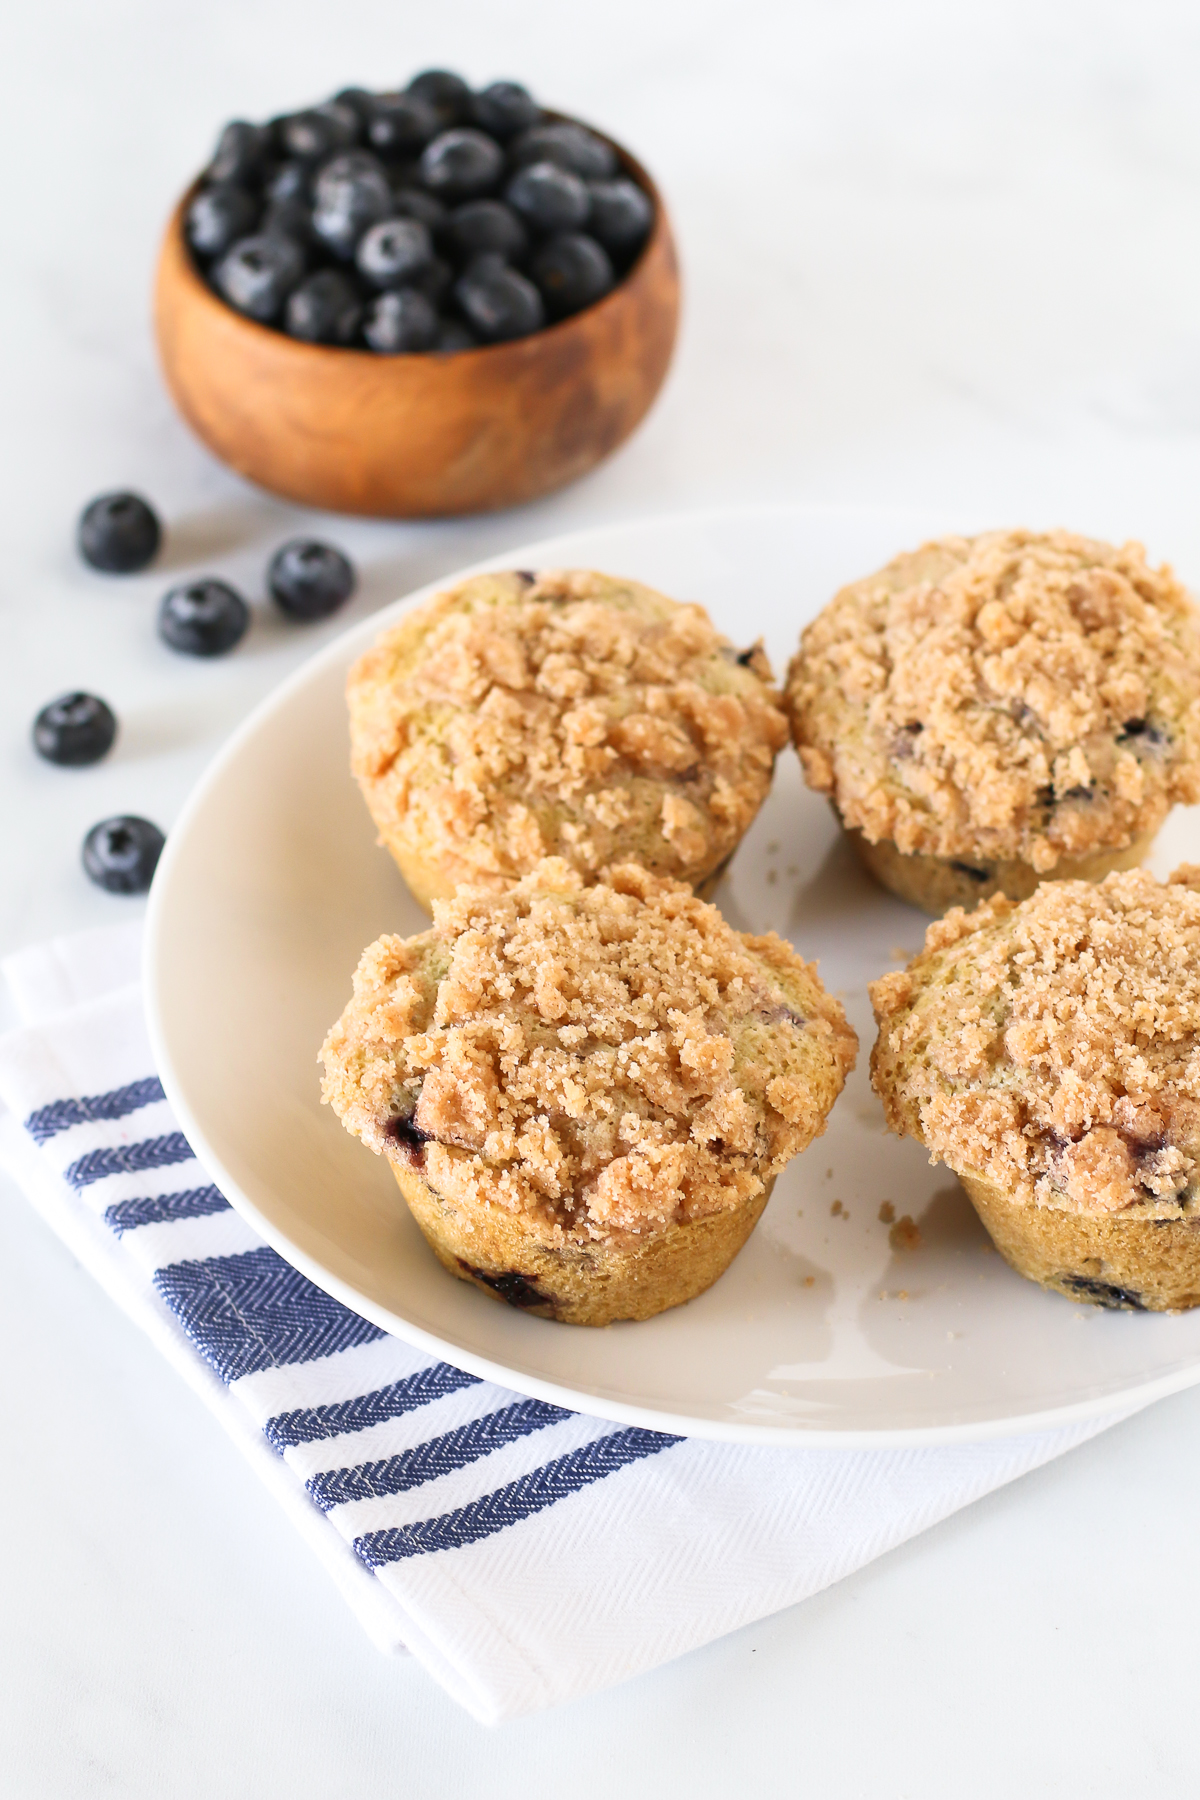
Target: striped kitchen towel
(526, 1554)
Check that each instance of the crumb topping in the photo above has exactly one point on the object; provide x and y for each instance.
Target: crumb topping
(612, 1058)
(567, 714)
(1054, 1046)
(1012, 695)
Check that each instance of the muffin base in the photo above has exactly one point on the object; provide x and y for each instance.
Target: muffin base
(936, 883)
(704, 890)
(427, 883)
(1135, 1265)
(517, 1259)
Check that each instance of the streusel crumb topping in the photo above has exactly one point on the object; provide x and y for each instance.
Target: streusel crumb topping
(1054, 1046)
(567, 713)
(614, 1058)
(1012, 695)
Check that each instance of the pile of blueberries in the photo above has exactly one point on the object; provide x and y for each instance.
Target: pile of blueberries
(433, 219)
(120, 534)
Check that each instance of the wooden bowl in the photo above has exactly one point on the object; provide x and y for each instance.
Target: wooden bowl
(417, 436)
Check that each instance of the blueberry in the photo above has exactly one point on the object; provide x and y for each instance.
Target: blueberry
(400, 321)
(359, 100)
(498, 302)
(320, 131)
(482, 225)
(118, 533)
(454, 335)
(460, 164)
(239, 152)
(203, 618)
(351, 192)
(488, 262)
(401, 124)
(448, 94)
(504, 108)
(391, 253)
(74, 730)
(259, 273)
(1141, 731)
(218, 216)
(1104, 1293)
(415, 203)
(290, 219)
(287, 181)
(325, 309)
(548, 197)
(122, 854)
(309, 580)
(404, 173)
(621, 215)
(572, 271)
(434, 280)
(570, 146)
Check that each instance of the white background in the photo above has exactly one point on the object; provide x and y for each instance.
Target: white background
(945, 255)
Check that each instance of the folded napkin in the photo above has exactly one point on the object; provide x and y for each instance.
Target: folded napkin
(525, 1554)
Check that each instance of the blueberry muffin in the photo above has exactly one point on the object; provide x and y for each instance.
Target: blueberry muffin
(986, 712)
(1049, 1053)
(568, 714)
(586, 1091)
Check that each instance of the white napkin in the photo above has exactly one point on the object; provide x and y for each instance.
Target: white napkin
(524, 1554)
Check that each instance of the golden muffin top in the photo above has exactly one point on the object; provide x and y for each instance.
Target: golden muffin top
(614, 1057)
(1013, 695)
(1054, 1046)
(566, 713)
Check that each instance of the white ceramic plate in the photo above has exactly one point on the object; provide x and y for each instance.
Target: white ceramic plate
(821, 1332)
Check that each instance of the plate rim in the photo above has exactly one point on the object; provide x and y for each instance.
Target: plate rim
(1110, 1406)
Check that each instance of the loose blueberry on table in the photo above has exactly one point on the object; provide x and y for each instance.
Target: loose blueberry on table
(118, 533)
(74, 730)
(122, 854)
(309, 580)
(428, 220)
(203, 618)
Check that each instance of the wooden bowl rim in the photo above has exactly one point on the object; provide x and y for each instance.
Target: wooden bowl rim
(189, 275)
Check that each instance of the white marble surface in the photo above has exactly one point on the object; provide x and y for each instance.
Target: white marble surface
(937, 255)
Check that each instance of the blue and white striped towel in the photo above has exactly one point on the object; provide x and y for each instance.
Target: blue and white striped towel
(525, 1554)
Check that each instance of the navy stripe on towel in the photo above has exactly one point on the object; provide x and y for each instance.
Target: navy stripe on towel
(164, 1209)
(311, 1423)
(60, 1115)
(129, 1159)
(440, 1456)
(530, 1494)
(254, 1311)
